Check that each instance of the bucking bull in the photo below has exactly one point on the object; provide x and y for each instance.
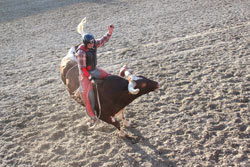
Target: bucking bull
(112, 94)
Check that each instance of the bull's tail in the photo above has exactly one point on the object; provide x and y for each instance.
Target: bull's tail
(62, 74)
(81, 26)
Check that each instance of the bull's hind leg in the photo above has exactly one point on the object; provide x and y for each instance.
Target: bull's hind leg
(120, 115)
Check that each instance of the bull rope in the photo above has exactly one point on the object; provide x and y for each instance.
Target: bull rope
(70, 70)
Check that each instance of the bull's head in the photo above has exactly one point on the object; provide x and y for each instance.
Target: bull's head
(139, 84)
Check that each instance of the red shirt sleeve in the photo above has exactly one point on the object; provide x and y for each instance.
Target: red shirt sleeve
(85, 72)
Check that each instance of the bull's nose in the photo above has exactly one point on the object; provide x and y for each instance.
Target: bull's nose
(157, 86)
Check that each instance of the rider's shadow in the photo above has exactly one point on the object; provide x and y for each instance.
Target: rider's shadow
(139, 144)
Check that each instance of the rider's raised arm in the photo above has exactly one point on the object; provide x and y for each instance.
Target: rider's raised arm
(100, 42)
(105, 38)
(81, 60)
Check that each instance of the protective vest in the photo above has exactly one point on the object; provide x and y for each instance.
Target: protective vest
(91, 59)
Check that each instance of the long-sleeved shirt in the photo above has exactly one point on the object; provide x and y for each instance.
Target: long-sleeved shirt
(81, 54)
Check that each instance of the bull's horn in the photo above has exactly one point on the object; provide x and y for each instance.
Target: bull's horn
(131, 88)
(81, 25)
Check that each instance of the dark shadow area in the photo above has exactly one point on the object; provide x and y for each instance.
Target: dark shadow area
(136, 137)
(15, 9)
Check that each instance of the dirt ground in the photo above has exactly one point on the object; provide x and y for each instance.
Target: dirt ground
(198, 50)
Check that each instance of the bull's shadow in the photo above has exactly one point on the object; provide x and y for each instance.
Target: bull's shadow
(139, 143)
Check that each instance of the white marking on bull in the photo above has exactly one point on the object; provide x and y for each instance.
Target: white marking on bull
(71, 54)
(113, 119)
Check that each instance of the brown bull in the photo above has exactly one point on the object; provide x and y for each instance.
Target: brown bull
(114, 92)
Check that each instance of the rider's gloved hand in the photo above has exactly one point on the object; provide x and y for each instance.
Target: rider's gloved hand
(91, 79)
(110, 29)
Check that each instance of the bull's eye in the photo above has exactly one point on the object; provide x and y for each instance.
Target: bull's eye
(144, 85)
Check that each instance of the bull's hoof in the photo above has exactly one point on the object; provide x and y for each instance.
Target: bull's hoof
(127, 124)
(123, 134)
(133, 139)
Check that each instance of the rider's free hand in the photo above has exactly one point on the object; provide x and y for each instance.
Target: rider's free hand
(111, 28)
(91, 79)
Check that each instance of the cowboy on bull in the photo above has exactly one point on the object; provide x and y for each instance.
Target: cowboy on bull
(86, 55)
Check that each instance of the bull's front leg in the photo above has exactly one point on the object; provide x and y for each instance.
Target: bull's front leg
(120, 115)
(111, 120)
